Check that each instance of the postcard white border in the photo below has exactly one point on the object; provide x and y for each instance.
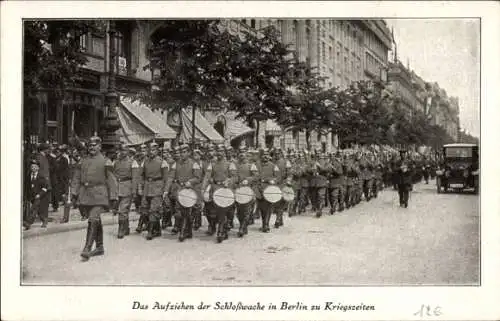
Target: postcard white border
(108, 303)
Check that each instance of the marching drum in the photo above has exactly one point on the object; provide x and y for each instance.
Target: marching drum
(288, 193)
(187, 197)
(272, 194)
(244, 195)
(223, 197)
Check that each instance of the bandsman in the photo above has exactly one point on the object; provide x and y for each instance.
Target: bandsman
(185, 174)
(208, 211)
(221, 176)
(268, 175)
(197, 218)
(246, 175)
(283, 178)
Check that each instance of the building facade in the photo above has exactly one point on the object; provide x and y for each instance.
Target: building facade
(401, 84)
(341, 51)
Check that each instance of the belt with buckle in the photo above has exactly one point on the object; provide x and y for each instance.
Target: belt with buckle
(88, 184)
(154, 179)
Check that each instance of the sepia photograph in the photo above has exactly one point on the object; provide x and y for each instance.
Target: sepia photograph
(239, 160)
(251, 152)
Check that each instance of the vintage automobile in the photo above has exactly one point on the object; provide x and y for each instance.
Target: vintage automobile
(459, 169)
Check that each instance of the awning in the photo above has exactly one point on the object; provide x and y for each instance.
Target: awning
(236, 129)
(272, 128)
(140, 124)
(203, 130)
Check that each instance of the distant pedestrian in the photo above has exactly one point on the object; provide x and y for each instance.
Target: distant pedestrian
(38, 196)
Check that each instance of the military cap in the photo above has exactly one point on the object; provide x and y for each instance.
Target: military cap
(43, 146)
(132, 150)
(265, 152)
(63, 147)
(34, 161)
(196, 151)
(242, 149)
(183, 147)
(95, 140)
(143, 146)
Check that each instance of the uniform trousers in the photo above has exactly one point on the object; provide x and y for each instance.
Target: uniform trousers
(367, 188)
(153, 207)
(124, 207)
(318, 198)
(265, 209)
(93, 212)
(335, 198)
(243, 214)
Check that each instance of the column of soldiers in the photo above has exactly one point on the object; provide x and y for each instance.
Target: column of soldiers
(151, 178)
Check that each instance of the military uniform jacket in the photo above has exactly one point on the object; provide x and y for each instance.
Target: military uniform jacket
(140, 178)
(336, 174)
(94, 181)
(269, 172)
(322, 169)
(245, 171)
(184, 171)
(155, 175)
(127, 172)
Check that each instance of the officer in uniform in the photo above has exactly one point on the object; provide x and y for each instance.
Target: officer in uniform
(155, 173)
(365, 176)
(404, 180)
(284, 178)
(126, 171)
(185, 174)
(256, 160)
(96, 185)
(297, 168)
(335, 185)
(246, 175)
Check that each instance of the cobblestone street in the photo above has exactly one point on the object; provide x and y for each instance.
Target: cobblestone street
(434, 241)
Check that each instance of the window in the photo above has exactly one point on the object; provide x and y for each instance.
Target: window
(244, 21)
(83, 42)
(323, 52)
(252, 23)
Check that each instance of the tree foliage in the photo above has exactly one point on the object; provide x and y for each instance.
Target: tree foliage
(52, 53)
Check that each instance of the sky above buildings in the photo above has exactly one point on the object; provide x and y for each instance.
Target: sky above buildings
(446, 51)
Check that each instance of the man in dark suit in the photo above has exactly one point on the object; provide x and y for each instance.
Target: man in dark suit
(37, 187)
(53, 170)
(63, 178)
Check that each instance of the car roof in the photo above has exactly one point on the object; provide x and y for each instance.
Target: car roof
(460, 145)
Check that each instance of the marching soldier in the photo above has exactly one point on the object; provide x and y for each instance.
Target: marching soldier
(365, 177)
(335, 185)
(246, 175)
(297, 171)
(185, 174)
(284, 173)
(256, 160)
(197, 219)
(319, 183)
(348, 168)
(96, 185)
(172, 194)
(221, 175)
(139, 201)
(268, 175)
(210, 214)
(155, 174)
(166, 219)
(404, 180)
(126, 171)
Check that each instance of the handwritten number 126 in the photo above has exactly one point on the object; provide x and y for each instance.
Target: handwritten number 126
(426, 310)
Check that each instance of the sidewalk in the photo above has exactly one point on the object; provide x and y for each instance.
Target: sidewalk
(75, 223)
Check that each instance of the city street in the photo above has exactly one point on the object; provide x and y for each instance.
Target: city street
(434, 241)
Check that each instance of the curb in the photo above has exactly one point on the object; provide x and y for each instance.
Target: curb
(72, 226)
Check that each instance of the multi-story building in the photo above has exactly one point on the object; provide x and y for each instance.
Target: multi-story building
(443, 110)
(341, 51)
(401, 83)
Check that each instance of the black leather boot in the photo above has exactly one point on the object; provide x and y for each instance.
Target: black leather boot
(89, 241)
(121, 231)
(139, 224)
(157, 229)
(99, 240)
(127, 227)
(150, 231)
